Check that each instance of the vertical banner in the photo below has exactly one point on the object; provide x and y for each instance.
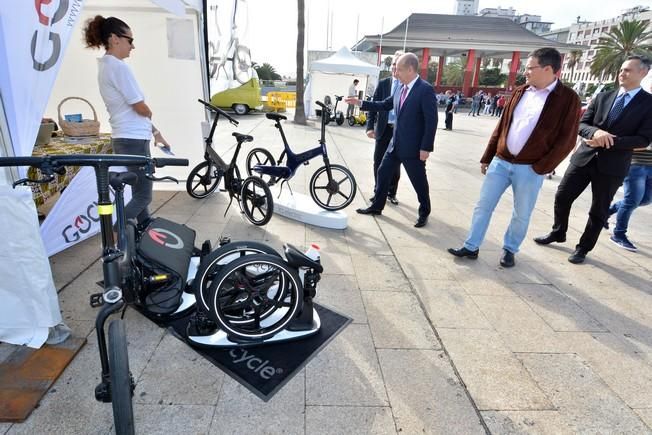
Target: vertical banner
(33, 38)
(74, 217)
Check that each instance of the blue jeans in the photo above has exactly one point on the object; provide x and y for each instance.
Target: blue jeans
(525, 187)
(638, 192)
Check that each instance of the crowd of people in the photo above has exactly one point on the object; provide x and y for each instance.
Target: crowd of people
(538, 128)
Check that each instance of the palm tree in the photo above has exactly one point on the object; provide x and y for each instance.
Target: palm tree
(299, 112)
(573, 57)
(267, 72)
(629, 38)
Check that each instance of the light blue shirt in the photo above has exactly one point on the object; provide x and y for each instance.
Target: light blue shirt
(630, 94)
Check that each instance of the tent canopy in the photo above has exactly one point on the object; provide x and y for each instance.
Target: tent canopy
(344, 62)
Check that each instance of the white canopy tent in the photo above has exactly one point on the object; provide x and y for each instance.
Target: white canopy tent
(333, 76)
(33, 40)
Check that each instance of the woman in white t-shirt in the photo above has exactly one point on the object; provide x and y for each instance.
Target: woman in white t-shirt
(129, 116)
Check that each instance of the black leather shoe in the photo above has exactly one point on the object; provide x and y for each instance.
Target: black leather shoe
(463, 252)
(549, 238)
(421, 222)
(369, 210)
(392, 199)
(507, 260)
(578, 256)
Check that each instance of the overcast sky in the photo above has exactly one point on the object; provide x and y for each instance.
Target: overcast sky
(272, 24)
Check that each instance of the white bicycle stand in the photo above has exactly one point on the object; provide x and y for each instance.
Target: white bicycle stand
(220, 339)
(302, 208)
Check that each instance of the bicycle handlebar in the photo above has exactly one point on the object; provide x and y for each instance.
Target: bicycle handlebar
(220, 111)
(55, 161)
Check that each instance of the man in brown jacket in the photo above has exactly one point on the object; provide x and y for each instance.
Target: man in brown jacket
(536, 132)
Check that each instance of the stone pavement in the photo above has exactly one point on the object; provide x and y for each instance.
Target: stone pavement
(437, 344)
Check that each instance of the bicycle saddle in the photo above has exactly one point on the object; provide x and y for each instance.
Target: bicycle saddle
(243, 137)
(275, 116)
(119, 179)
(297, 258)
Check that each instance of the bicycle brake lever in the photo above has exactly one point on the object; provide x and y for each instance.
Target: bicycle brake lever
(44, 180)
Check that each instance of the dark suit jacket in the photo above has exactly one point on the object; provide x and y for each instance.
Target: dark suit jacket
(377, 121)
(633, 129)
(553, 137)
(416, 121)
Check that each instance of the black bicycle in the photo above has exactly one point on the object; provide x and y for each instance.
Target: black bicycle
(332, 186)
(253, 194)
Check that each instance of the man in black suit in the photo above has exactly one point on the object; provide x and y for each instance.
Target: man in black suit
(613, 126)
(413, 137)
(380, 126)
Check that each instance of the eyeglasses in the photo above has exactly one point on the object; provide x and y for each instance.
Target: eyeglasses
(129, 39)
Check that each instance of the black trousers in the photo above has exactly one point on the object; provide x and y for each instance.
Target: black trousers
(379, 151)
(575, 181)
(449, 120)
(416, 171)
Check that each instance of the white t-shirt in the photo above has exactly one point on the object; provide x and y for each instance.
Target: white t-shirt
(119, 91)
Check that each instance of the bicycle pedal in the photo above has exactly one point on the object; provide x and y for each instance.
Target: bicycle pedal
(97, 300)
(224, 240)
(100, 283)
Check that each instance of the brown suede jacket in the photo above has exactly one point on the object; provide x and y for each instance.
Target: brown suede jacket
(553, 137)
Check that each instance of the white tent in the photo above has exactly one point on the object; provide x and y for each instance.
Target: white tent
(333, 76)
(32, 46)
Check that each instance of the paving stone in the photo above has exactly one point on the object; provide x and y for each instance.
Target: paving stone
(172, 419)
(174, 363)
(397, 321)
(449, 306)
(143, 338)
(646, 416)
(346, 372)
(379, 272)
(341, 293)
(6, 350)
(620, 316)
(557, 309)
(349, 420)
(584, 400)
(526, 422)
(419, 266)
(417, 400)
(626, 372)
(241, 412)
(495, 378)
(74, 299)
(336, 258)
(477, 278)
(4, 427)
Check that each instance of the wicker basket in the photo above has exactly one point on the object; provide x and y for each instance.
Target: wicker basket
(87, 127)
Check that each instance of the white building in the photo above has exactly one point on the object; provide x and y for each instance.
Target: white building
(530, 22)
(588, 34)
(467, 7)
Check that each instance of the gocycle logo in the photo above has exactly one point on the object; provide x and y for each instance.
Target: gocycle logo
(253, 363)
(44, 29)
(81, 225)
(165, 238)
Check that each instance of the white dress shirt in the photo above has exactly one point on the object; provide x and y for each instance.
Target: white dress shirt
(526, 115)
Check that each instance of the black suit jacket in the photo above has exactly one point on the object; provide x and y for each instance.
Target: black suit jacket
(633, 129)
(377, 121)
(416, 121)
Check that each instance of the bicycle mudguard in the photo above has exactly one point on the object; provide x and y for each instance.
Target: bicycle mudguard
(165, 249)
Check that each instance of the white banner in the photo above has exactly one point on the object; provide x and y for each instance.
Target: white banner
(74, 217)
(33, 37)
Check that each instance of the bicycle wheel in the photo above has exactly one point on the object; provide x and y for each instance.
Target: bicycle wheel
(212, 264)
(203, 180)
(260, 156)
(242, 64)
(336, 194)
(256, 201)
(122, 384)
(255, 297)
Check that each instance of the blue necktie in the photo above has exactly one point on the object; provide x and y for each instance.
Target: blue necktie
(391, 118)
(617, 109)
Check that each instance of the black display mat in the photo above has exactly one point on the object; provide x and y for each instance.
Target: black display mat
(265, 369)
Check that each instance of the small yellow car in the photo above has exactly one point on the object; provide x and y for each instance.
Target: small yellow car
(241, 99)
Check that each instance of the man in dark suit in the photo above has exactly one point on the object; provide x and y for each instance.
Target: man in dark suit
(536, 132)
(380, 126)
(413, 137)
(613, 126)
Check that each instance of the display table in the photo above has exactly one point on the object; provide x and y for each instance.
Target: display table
(65, 145)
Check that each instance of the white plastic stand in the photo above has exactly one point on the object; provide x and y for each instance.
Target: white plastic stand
(302, 208)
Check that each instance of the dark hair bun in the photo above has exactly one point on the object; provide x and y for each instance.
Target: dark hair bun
(93, 32)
